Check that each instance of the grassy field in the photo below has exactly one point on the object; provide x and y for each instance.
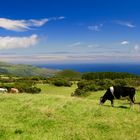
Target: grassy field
(55, 115)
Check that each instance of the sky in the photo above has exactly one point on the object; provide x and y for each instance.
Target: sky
(70, 31)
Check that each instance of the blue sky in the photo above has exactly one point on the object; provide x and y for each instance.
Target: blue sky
(70, 31)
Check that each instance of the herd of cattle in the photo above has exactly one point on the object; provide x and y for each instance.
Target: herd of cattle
(11, 90)
(112, 93)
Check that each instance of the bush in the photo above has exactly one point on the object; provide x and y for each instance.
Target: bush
(61, 82)
(33, 90)
(22, 87)
(107, 75)
(82, 84)
(88, 85)
(84, 87)
(104, 84)
(120, 82)
(80, 92)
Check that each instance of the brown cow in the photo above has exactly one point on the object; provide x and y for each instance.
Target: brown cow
(14, 90)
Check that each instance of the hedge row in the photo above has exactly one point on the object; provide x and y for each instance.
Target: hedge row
(84, 86)
(22, 87)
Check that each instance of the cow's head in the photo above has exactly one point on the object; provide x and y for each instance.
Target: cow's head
(102, 100)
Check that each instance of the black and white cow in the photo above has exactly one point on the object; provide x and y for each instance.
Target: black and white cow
(118, 92)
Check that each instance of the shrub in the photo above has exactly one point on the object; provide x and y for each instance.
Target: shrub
(107, 75)
(88, 85)
(104, 84)
(120, 82)
(84, 87)
(62, 82)
(33, 90)
(82, 84)
(80, 92)
(22, 87)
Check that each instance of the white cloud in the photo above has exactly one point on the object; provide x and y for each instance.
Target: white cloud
(23, 25)
(136, 47)
(125, 23)
(95, 27)
(93, 45)
(75, 44)
(124, 42)
(37, 23)
(59, 18)
(101, 55)
(74, 58)
(18, 42)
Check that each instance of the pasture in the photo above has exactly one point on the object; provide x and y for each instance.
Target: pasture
(55, 115)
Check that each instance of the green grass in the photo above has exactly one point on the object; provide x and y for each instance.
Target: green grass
(55, 115)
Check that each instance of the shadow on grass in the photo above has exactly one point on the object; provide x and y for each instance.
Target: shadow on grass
(123, 107)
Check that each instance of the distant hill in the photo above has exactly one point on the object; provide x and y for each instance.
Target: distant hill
(25, 70)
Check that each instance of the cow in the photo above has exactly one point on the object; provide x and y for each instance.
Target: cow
(3, 90)
(118, 92)
(14, 90)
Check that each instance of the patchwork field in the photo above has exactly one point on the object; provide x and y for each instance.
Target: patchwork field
(55, 115)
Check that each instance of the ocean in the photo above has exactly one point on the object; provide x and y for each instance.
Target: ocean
(129, 68)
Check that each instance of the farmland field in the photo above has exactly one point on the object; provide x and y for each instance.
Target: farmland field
(55, 115)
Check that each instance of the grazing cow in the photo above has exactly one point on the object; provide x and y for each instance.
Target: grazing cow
(14, 90)
(118, 92)
(3, 90)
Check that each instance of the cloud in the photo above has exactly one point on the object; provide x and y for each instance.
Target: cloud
(24, 25)
(96, 28)
(136, 47)
(57, 18)
(93, 45)
(124, 23)
(18, 42)
(72, 58)
(84, 45)
(37, 23)
(75, 44)
(61, 17)
(124, 42)
(99, 55)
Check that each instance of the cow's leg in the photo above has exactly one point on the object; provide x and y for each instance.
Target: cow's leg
(131, 104)
(132, 98)
(112, 103)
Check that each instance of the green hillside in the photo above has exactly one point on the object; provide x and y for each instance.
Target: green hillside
(55, 115)
(24, 70)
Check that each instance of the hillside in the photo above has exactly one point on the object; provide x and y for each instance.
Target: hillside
(55, 115)
(25, 70)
